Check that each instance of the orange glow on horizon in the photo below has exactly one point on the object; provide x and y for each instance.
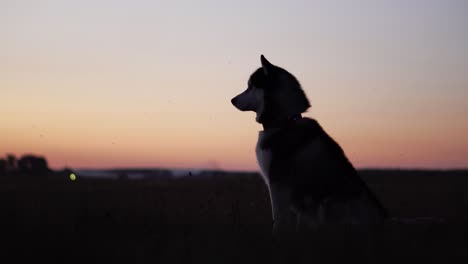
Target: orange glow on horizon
(122, 140)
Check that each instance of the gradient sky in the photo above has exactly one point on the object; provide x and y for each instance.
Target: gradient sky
(148, 83)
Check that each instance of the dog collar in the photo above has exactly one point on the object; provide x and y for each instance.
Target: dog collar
(295, 117)
(286, 122)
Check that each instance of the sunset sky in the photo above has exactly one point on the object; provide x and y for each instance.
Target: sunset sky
(105, 84)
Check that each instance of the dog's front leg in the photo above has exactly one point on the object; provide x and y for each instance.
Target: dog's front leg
(283, 217)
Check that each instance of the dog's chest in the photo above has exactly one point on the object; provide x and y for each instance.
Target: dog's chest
(264, 156)
(306, 152)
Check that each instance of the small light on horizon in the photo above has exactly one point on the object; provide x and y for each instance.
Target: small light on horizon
(72, 176)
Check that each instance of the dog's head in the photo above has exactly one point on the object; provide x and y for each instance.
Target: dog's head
(273, 93)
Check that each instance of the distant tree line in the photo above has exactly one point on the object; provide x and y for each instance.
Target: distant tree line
(28, 164)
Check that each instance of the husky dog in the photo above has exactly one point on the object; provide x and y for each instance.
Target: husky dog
(310, 180)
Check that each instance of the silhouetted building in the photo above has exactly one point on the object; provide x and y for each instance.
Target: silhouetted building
(33, 165)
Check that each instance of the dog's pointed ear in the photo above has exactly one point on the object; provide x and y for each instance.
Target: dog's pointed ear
(266, 65)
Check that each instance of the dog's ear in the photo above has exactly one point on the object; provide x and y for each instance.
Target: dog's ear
(266, 65)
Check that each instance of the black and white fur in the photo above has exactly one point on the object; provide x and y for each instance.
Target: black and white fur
(311, 181)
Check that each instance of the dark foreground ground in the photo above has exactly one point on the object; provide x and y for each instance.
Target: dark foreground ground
(224, 218)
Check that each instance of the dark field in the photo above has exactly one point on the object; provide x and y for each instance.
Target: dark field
(224, 218)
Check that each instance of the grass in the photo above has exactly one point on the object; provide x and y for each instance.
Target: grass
(223, 219)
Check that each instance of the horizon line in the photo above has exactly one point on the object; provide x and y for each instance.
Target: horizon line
(258, 171)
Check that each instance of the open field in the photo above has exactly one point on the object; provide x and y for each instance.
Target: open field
(224, 218)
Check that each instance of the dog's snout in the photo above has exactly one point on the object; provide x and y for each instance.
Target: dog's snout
(234, 100)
